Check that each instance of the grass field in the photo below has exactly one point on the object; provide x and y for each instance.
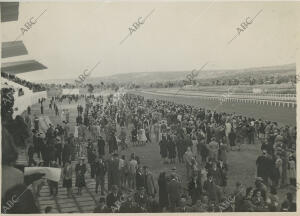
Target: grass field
(241, 163)
(282, 115)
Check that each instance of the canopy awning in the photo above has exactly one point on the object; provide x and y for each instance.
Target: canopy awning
(9, 11)
(13, 48)
(21, 67)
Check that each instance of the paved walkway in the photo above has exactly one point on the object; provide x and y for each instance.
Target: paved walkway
(61, 203)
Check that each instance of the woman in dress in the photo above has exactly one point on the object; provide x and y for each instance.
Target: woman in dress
(63, 115)
(292, 170)
(223, 152)
(164, 148)
(67, 178)
(139, 136)
(80, 170)
(195, 142)
(277, 171)
(143, 136)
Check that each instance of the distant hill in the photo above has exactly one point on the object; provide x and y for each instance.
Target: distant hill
(149, 77)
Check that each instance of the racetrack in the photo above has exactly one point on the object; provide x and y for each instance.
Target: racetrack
(282, 115)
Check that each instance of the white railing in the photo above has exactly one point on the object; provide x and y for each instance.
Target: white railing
(229, 98)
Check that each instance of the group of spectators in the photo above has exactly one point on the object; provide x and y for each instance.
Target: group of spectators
(198, 138)
(32, 86)
(201, 139)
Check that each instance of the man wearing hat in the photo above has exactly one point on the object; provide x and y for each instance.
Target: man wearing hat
(66, 130)
(66, 153)
(101, 146)
(141, 198)
(174, 192)
(58, 150)
(35, 141)
(40, 145)
(264, 166)
(113, 197)
(188, 156)
(174, 173)
(102, 207)
(31, 151)
(80, 170)
(100, 171)
(113, 171)
(92, 161)
(36, 122)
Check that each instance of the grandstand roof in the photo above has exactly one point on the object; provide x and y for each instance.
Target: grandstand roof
(21, 66)
(9, 11)
(13, 48)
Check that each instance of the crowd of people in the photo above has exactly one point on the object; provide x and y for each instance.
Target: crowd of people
(195, 137)
(32, 86)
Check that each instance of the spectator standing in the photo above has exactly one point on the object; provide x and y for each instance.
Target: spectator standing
(162, 187)
(174, 193)
(80, 171)
(67, 177)
(100, 171)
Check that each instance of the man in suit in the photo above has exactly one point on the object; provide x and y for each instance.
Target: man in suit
(58, 150)
(113, 197)
(66, 153)
(36, 123)
(101, 146)
(113, 171)
(100, 171)
(174, 192)
(195, 189)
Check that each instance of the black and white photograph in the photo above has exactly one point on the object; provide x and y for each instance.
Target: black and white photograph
(149, 106)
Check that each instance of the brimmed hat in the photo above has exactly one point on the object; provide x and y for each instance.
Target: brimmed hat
(259, 179)
(141, 188)
(102, 200)
(114, 187)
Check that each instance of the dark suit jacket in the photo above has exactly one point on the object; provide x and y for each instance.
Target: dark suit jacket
(174, 190)
(111, 199)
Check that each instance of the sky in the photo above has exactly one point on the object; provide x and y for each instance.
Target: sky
(70, 38)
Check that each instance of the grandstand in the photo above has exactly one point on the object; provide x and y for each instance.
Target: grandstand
(22, 101)
(25, 93)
